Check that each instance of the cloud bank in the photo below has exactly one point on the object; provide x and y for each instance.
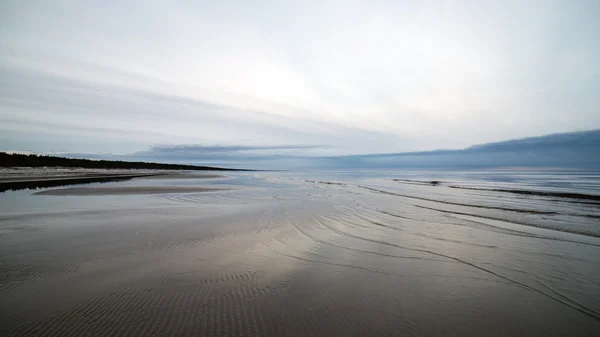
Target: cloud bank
(566, 150)
(120, 76)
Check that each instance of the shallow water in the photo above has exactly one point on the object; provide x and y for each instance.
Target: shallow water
(352, 253)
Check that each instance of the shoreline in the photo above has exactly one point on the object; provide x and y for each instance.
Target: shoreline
(297, 255)
(33, 182)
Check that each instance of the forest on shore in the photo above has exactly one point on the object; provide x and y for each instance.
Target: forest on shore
(34, 160)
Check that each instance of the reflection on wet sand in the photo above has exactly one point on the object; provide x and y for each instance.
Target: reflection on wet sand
(132, 190)
(41, 181)
(303, 257)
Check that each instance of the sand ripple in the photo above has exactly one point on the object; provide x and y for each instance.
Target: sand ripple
(308, 258)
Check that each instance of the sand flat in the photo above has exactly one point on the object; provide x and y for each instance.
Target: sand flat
(129, 190)
(183, 176)
(100, 174)
(303, 258)
(13, 180)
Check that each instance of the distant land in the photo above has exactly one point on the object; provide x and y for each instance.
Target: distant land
(33, 160)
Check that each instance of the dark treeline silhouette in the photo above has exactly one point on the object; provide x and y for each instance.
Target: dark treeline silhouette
(33, 160)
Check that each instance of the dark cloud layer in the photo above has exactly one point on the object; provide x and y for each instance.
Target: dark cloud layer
(199, 149)
(567, 150)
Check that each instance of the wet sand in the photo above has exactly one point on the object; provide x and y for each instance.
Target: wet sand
(33, 174)
(300, 258)
(14, 180)
(132, 190)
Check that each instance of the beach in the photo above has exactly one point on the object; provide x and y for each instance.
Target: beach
(396, 253)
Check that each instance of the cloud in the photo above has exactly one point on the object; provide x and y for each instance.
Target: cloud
(221, 148)
(357, 77)
(197, 153)
(566, 150)
(53, 107)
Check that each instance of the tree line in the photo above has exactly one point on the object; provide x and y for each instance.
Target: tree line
(34, 160)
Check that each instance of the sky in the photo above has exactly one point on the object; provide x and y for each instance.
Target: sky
(293, 77)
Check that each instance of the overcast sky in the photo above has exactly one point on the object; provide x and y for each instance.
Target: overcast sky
(320, 77)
